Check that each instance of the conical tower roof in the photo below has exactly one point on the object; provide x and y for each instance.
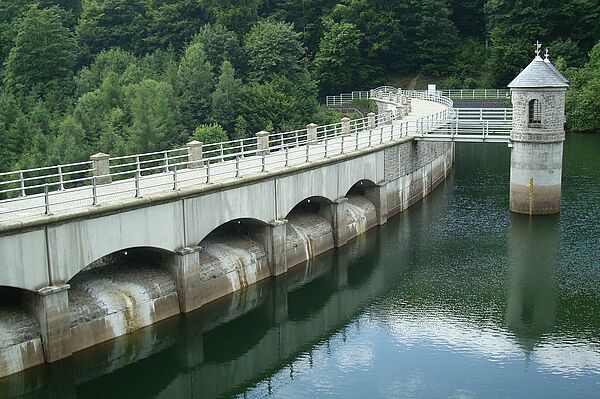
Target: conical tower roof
(539, 73)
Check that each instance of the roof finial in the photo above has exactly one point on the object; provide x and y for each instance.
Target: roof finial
(547, 55)
(538, 48)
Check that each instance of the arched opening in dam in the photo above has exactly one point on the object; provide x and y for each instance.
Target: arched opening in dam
(361, 207)
(234, 255)
(119, 294)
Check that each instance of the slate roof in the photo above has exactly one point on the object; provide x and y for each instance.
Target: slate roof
(539, 74)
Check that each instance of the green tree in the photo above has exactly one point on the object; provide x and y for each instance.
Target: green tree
(583, 97)
(151, 105)
(273, 48)
(173, 23)
(70, 144)
(227, 98)
(196, 85)
(44, 53)
(113, 127)
(220, 44)
(106, 24)
(210, 134)
(338, 62)
(113, 61)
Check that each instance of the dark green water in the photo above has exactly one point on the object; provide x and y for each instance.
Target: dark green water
(454, 298)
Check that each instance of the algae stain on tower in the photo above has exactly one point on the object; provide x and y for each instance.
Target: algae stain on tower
(538, 97)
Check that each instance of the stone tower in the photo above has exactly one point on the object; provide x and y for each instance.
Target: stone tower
(538, 133)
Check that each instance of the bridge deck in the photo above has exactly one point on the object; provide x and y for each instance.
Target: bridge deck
(280, 158)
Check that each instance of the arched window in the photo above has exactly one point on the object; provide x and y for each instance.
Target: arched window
(535, 113)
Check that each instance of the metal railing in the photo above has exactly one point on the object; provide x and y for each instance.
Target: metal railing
(63, 187)
(476, 94)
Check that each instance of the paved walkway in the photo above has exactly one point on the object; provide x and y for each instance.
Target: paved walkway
(81, 197)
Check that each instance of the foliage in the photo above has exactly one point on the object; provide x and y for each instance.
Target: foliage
(220, 44)
(43, 56)
(273, 48)
(210, 134)
(227, 98)
(583, 98)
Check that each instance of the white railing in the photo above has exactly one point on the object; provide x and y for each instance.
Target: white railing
(64, 187)
(477, 94)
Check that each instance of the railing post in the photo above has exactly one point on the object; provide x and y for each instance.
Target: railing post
(166, 158)
(61, 181)
(371, 119)
(137, 184)
(195, 154)
(311, 130)
(94, 192)
(175, 185)
(101, 168)
(262, 142)
(345, 126)
(22, 180)
(287, 154)
(237, 166)
(46, 200)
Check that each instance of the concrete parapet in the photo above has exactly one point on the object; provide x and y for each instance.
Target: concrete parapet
(389, 116)
(262, 142)
(345, 125)
(371, 119)
(312, 131)
(195, 154)
(101, 166)
(51, 308)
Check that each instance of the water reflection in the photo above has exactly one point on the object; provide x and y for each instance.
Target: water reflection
(455, 298)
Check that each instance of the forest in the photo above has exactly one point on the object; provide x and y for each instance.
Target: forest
(79, 77)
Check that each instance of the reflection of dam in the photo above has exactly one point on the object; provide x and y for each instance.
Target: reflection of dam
(236, 341)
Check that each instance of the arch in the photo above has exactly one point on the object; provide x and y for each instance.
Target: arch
(534, 119)
(313, 204)
(150, 254)
(360, 187)
(237, 226)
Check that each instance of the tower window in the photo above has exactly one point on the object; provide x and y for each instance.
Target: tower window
(535, 113)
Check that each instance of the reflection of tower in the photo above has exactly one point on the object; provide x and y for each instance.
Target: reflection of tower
(533, 256)
(538, 97)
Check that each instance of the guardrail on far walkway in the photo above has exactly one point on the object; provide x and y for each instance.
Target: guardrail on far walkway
(104, 178)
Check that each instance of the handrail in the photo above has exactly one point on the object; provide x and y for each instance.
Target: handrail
(62, 187)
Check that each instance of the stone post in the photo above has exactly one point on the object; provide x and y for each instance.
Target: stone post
(371, 118)
(262, 142)
(378, 196)
(51, 308)
(339, 222)
(184, 266)
(399, 111)
(195, 154)
(100, 164)
(312, 132)
(275, 245)
(388, 116)
(345, 125)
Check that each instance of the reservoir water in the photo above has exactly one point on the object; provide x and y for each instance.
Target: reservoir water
(456, 297)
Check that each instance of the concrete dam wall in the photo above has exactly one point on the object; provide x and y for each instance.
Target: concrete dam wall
(175, 256)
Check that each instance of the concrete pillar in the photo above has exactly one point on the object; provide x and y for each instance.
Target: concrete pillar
(400, 111)
(378, 196)
(51, 308)
(388, 116)
(536, 178)
(345, 125)
(371, 119)
(339, 222)
(262, 142)
(275, 246)
(101, 166)
(312, 131)
(184, 266)
(195, 154)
